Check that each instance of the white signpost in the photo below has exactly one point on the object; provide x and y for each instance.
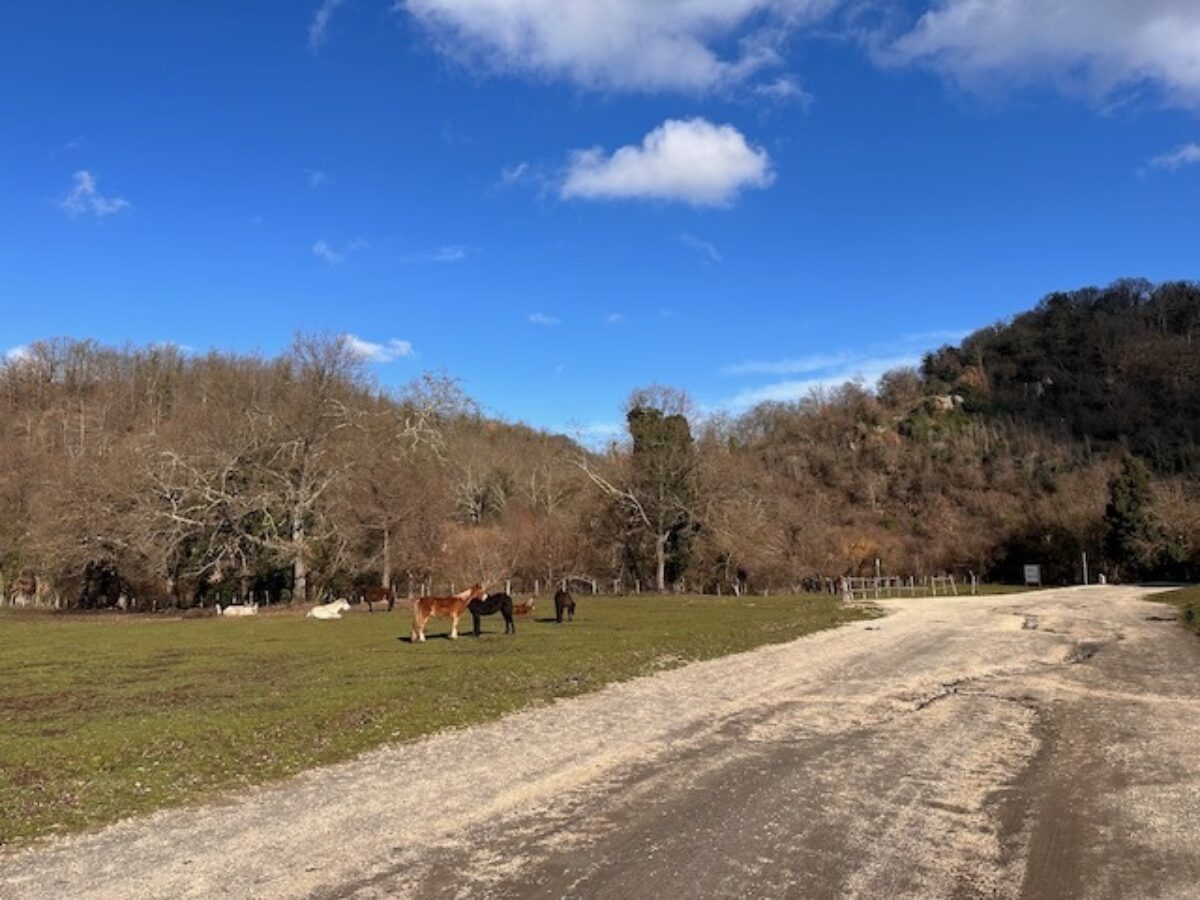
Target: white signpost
(1033, 576)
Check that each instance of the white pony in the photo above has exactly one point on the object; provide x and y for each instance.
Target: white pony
(329, 611)
(237, 611)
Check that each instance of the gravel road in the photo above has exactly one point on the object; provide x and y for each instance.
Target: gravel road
(1042, 745)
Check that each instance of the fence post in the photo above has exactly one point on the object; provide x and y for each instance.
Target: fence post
(508, 585)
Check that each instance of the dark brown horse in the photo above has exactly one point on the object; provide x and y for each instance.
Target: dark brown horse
(491, 604)
(564, 603)
(380, 595)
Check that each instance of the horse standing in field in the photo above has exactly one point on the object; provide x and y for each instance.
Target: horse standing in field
(491, 604)
(381, 595)
(452, 607)
(563, 603)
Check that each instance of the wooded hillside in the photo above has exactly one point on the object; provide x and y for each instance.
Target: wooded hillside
(175, 479)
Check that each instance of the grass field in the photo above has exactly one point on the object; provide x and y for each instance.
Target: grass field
(1188, 601)
(105, 716)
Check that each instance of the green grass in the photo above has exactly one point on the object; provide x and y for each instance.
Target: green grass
(102, 717)
(1188, 601)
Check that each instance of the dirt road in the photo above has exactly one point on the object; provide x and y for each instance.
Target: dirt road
(1039, 745)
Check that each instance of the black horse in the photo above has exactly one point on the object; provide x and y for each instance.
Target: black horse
(563, 603)
(491, 604)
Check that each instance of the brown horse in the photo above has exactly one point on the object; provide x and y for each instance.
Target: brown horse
(453, 608)
(380, 595)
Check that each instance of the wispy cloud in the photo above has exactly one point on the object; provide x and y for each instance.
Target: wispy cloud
(614, 318)
(1186, 155)
(710, 253)
(831, 369)
(596, 435)
(937, 336)
(868, 370)
(329, 253)
(800, 365)
(541, 318)
(387, 352)
(315, 177)
(511, 175)
(318, 27)
(85, 199)
(443, 255)
(323, 250)
(784, 89)
(185, 349)
(17, 354)
(688, 161)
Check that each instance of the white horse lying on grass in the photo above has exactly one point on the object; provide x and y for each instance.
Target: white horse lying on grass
(329, 611)
(236, 611)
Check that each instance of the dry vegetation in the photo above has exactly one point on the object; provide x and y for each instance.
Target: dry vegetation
(173, 480)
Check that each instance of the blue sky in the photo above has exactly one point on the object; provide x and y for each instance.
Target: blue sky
(557, 202)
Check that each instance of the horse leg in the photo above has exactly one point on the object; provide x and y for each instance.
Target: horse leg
(509, 627)
(476, 619)
(454, 628)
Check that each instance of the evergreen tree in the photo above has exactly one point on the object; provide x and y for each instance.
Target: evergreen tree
(1133, 537)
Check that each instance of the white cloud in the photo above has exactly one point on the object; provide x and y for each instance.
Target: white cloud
(511, 175)
(318, 28)
(448, 253)
(1187, 155)
(1094, 47)
(711, 253)
(618, 44)
(316, 177)
(828, 370)
(540, 318)
(390, 351)
(797, 366)
(18, 354)
(690, 161)
(185, 349)
(443, 255)
(85, 198)
(868, 369)
(324, 250)
(596, 435)
(614, 318)
(331, 254)
(785, 89)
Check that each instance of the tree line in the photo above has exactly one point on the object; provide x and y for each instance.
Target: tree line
(170, 479)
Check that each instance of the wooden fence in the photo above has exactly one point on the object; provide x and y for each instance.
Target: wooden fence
(913, 586)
